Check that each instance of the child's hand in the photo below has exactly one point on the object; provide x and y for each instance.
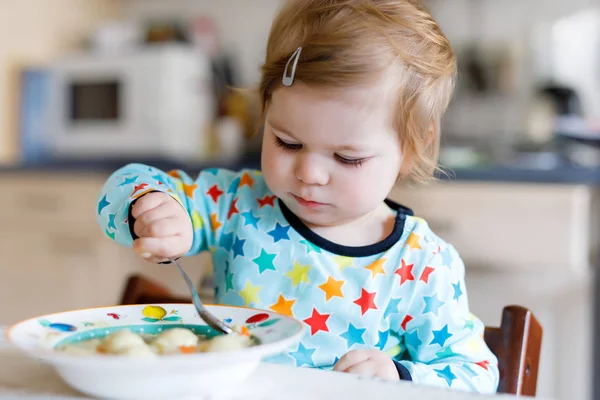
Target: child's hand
(370, 363)
(163, 226)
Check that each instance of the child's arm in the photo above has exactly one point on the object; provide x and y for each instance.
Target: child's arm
(207, 200)
(444, 340)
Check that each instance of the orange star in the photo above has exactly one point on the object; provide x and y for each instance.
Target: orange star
(377, 267)
(332, 288)
(214, 222)
(283, 306)
(246, 180)
(173, 173)
(413, 241)
(189, 190)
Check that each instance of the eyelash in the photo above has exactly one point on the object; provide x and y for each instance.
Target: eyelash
(295, 147)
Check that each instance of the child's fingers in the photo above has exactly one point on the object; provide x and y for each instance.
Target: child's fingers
(164, 247)
(148, 202)
(162, 228)
(364, 368)
(349, 359)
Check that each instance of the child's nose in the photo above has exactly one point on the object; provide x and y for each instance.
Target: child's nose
(309, 171)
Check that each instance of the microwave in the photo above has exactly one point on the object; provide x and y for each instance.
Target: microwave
(153, 102)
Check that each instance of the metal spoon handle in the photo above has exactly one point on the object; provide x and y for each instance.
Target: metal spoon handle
(210, 319)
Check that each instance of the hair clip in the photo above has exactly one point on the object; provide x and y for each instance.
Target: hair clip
(288, 80)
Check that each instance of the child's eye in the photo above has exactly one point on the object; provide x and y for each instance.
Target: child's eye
(287, 146)
(351, 162)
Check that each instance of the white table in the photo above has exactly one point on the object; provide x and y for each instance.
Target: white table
(25, 378)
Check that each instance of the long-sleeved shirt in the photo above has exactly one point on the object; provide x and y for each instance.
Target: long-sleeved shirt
(405, 295)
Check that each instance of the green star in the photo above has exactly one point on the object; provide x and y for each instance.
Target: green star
(265, 261)
(310, 247)
(229, 281)
(469, 324)
(446, 352)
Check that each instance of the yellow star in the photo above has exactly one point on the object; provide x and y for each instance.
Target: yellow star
(332, 288)
(413, 241)
(178, 186)
(283, 306)
(475, 344)
(214, 222)
(197, 220)
(377, 267)
(343, 262)
(298, 274)
(250, 293)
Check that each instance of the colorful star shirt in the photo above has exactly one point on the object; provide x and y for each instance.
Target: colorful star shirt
(405, 295)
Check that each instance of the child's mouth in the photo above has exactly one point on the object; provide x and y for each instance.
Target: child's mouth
(308, 203)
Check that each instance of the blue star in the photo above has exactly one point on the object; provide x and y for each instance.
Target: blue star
(469, 371)
(280, 232)
(441, 336)
(226, 241)
(392, 307)
(412, 340)
(238, 247)
(128, 181)
(228, 277)
(103, 204)
(447, 258)
(213, 171)
(457, 291)
(234, 185)
(111, 221)
(336, 360)
(303, 356)
(432, 304)
(447, 374)
(159, 178)
(250, 219)
(383, 338)
(353, 335)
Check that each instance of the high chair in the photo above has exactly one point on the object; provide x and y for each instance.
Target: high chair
(516, 343)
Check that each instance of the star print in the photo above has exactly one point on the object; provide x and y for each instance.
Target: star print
(475, 344)
(226, 241)
(469, 371)
(214, 192)
(446, 352)
(377, 267)
(353, 335)
(405, 272)
(469, 325)
(110, 234)
(317, 322)
(392, 307)
(280, 232)
(111, 221)
(405, 321)
(332, 288)
(238, 247)
(174, 173)
(457, 291)
(250, 293)
(233, 209)
(283, 306)
(197, 222)
(214, 222)
(303, 356)
(432, 304)
(214, 171)
(298, 274)
(139, 187)
(483, 364)
(447, 374)
(310, 247)
(246, 180)
(343, 262)
(103, 204)
(250, 219)
(128, 181)
(265, 261)
(447, 258)
(412, 340)
(441, 336)
(383, 338)
(158, 179)
(228, 277)
(413, 241)
(425, 275)
(266, 201)
(234, 186)
(366, 301)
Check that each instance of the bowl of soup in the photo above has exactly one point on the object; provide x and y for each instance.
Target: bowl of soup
(154, 351)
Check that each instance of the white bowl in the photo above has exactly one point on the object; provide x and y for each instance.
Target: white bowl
(160, 377)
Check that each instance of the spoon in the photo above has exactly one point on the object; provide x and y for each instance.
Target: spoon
(210, 319)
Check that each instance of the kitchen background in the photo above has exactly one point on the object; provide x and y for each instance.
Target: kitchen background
(88, 85)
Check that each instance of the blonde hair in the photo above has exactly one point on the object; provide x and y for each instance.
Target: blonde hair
(350, 43)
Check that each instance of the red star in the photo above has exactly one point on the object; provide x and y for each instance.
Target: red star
(215, 193)
(425, 275)
(139, 187)
(233, 209)
(483, 364)
(405, 272)
(317, 322)
(366, 301)
(267, 200)
(405, 321)
(437, 250)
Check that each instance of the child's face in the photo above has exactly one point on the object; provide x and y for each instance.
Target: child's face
(330, 156)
